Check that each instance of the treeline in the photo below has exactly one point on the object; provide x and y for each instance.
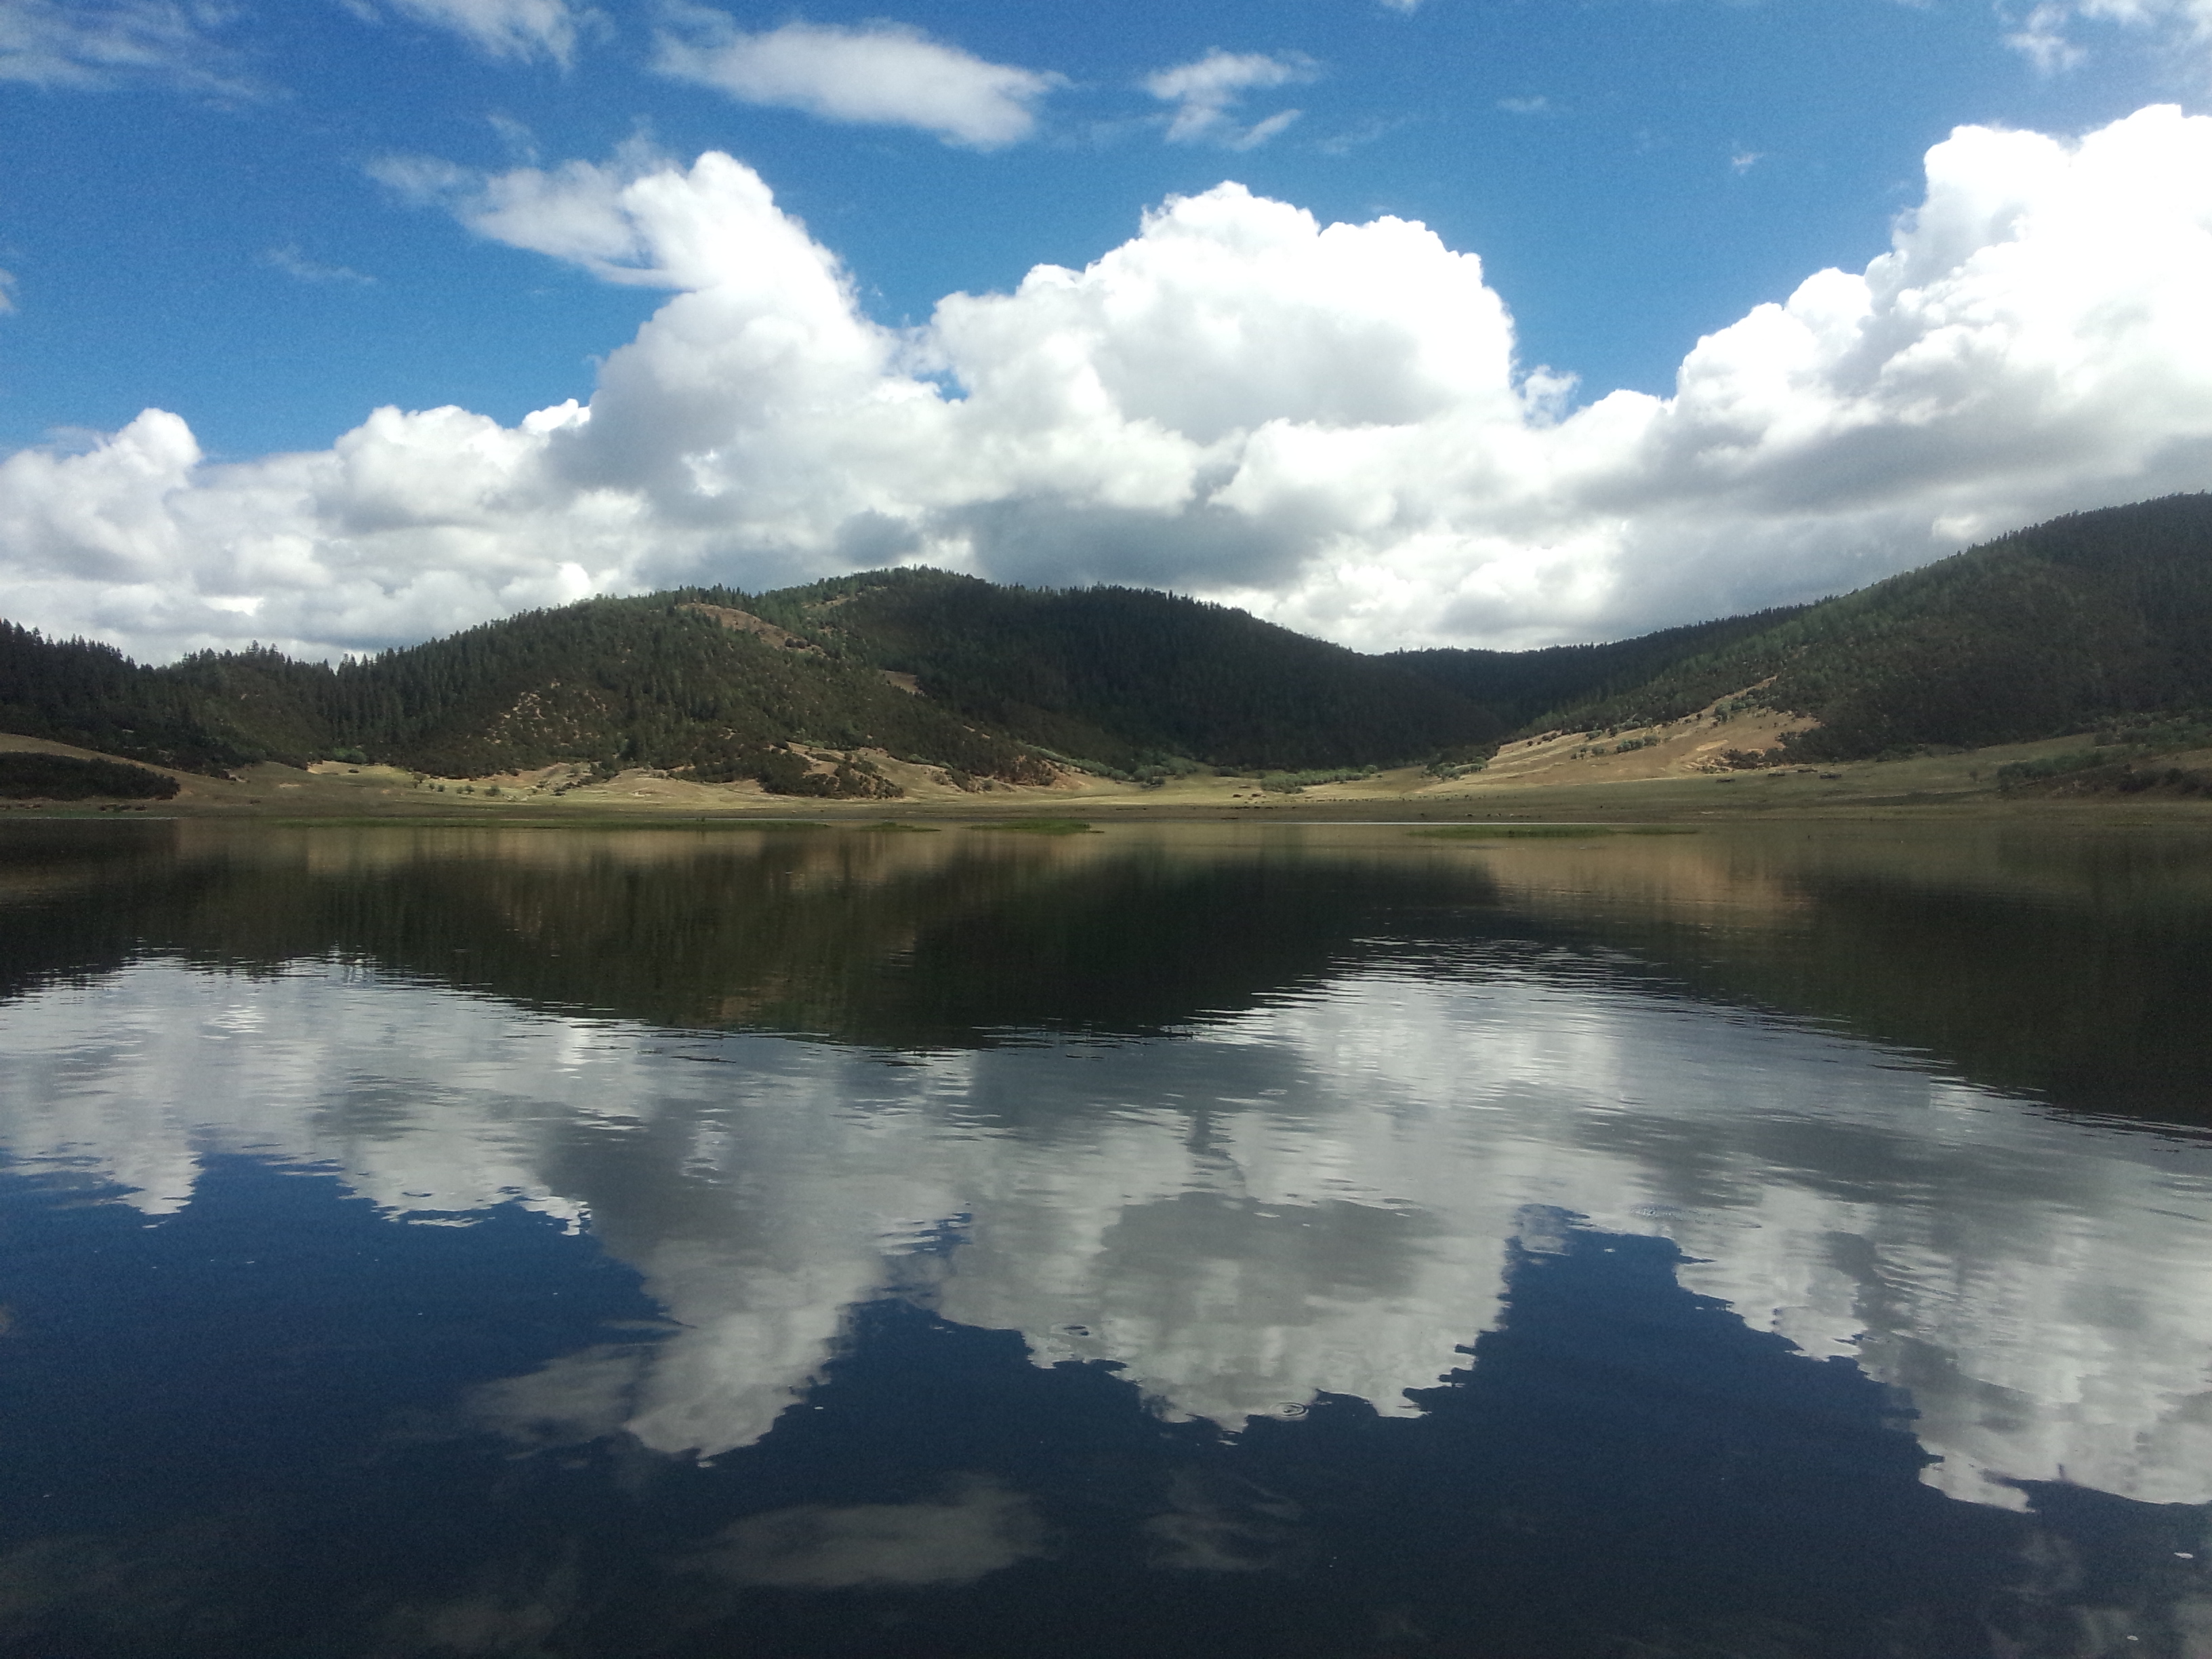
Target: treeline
(33, 775)
(80, 692)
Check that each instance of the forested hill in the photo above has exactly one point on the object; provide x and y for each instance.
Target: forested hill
(719, 684)
(2081, 621)
(2085, 619)
(1125, 675)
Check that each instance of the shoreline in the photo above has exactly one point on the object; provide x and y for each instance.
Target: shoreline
(1960, 787)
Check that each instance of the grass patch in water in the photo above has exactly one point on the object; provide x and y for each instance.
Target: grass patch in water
(1546, 831)
(893, 827)
(1040, 827)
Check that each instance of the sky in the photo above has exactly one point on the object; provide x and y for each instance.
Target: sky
(340, 323)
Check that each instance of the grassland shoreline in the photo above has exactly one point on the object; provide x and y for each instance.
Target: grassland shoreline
(1964, 784)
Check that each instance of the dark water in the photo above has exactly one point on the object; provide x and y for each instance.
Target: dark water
(1297, 1242)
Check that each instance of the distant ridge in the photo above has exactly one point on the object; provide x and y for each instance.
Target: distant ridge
(2092, 617)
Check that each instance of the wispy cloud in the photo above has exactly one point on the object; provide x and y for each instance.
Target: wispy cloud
(7, 292)
(1536, 106)
(2178, 29)
(879, 74)
(1207, 92)
(93, 44)
(520, 142)
(1367, 133)
(1745, 159)
(2042, 40)
(521, 29)
(288, 260)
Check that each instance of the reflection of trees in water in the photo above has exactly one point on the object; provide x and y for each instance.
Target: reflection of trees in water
(953, 940)
(2075, 967)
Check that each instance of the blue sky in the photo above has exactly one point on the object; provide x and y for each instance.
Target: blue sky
(228, 212)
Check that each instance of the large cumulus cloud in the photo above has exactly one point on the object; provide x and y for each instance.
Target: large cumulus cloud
(1328, 424)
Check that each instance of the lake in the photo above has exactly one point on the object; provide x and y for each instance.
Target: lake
(1771, 1240)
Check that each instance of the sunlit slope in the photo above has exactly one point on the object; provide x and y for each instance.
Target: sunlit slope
(2088, 618)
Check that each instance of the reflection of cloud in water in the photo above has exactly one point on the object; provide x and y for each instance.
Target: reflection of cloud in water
(1316, 1196)
(978, 1530)
(1215, 1523)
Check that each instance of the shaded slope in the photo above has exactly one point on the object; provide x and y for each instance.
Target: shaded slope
(1518, 686)
(1126, 677)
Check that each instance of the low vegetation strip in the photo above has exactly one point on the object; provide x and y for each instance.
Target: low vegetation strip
(31, 776)
(2096, 773)
(1546, 831)
(1040, 827)
(1290, 783)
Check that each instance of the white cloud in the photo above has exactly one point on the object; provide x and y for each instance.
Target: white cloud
(881, 75)
(93, 45)
(1205, 91)
(1538, 105)
(2181, 29)
(7, 292)
(521, 29)
(1327, 423)
(288, 258)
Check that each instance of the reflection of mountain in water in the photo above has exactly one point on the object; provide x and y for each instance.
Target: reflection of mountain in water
(1318, 1196)
(2077, 968)
(952, 939)
(2069, 964)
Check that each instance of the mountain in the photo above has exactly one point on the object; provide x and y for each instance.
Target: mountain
(1128, 677)
(2094, 618)
(2085, 620)
(945, 669)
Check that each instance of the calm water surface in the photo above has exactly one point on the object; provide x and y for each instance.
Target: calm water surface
(1201, 1240)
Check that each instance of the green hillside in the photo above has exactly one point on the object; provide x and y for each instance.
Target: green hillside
(1126, 677)
(2098, 619)
(2084, 620)
(938, 669)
